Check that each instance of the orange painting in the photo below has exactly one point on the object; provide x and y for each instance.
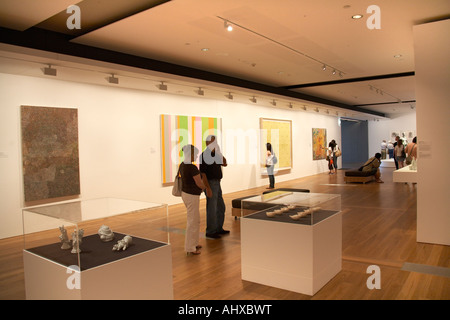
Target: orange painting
(319, 137)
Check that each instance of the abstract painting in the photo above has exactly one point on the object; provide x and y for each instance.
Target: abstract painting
(279, 134)
(50, 157)
(178, 131)
(319, 143)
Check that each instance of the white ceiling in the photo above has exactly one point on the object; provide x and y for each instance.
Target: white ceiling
(274, 43)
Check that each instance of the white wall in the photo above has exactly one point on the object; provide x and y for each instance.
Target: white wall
(431, 50)
(119, 140)
(380, 130)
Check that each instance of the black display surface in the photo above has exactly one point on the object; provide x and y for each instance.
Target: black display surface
(94, 252)
(285, 216)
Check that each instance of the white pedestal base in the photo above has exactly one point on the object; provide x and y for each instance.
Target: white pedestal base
(405, 174)
(388, 163)
(142, 276)
(295, 257)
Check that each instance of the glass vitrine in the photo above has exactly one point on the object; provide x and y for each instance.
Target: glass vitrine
(291, 207)
(88, 235)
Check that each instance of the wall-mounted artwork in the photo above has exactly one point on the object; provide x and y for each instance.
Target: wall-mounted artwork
(49, 152)
(319, 143)
(279, 134)
(178, 131)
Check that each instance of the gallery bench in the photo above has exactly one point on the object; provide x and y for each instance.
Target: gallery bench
(358, 176)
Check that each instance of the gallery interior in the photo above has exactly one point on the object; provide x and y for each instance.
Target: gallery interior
(99, 97)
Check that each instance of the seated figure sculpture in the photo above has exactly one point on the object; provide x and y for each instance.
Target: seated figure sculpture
(105, 233)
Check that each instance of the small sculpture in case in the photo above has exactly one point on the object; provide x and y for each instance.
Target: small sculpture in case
(105, 233)
(65, 242)
(77, 238)
(123, 244)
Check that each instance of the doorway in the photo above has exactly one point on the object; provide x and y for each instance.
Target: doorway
(355, 143)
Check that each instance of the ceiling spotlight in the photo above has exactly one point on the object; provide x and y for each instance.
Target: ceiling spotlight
(49, 71)
(291, 105)
(357, 16)
(162, 86)
(253, 99)
(304, 107)
(228, 26)
(229, 96)
(324, 67)
(113, 79)
(334, 71)
(340, 74)
(317, 109)
(200, 92)
(274, 103)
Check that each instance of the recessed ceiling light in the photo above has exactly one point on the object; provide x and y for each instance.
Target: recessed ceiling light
(228, 26)
(398, 56)
(357, 16)
(205, 49)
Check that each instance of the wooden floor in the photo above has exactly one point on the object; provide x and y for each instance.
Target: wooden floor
(379, 228)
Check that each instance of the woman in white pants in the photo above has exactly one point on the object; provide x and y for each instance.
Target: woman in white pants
(193, 183)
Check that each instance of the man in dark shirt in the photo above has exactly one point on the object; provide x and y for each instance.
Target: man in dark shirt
(211, 162)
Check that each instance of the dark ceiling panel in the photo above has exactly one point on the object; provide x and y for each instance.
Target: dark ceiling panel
(98, 13)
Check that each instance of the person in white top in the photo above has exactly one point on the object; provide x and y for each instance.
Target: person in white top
(383, 149)
(270, 165)
(399, 152)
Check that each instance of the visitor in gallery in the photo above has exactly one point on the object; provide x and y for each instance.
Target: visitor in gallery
(211, 163)
(390, 147)
(335, 154)
(193, 183)
(270, 165)
(331, 157)
(399, 151)
(383, 149)
(411, 148)
(373, 165)
(397, 138)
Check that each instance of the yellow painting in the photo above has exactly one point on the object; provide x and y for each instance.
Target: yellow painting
(319, 137)
(279, 134)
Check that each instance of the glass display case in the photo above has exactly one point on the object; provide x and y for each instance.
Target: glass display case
(291, 207)
(291, 240)
(100, 242)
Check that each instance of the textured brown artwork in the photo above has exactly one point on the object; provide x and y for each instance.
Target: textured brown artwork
(50, 152)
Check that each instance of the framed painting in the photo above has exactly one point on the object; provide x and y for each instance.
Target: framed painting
(50, 158)
(279, 134)
(319, 143)
(178, 131)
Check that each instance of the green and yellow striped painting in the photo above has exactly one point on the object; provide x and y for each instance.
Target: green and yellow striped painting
(176, 132)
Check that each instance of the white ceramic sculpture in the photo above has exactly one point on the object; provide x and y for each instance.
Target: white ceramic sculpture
(291, 207)
(77, 238)
(105, 234)
(295, 217)
(65, 242)
(278, 211)
(413, 165)
(284, 209)
(270, 214)
(123, 244)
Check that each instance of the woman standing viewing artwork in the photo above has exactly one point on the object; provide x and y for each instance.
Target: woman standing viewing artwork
(193, 183)
(270, 165)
